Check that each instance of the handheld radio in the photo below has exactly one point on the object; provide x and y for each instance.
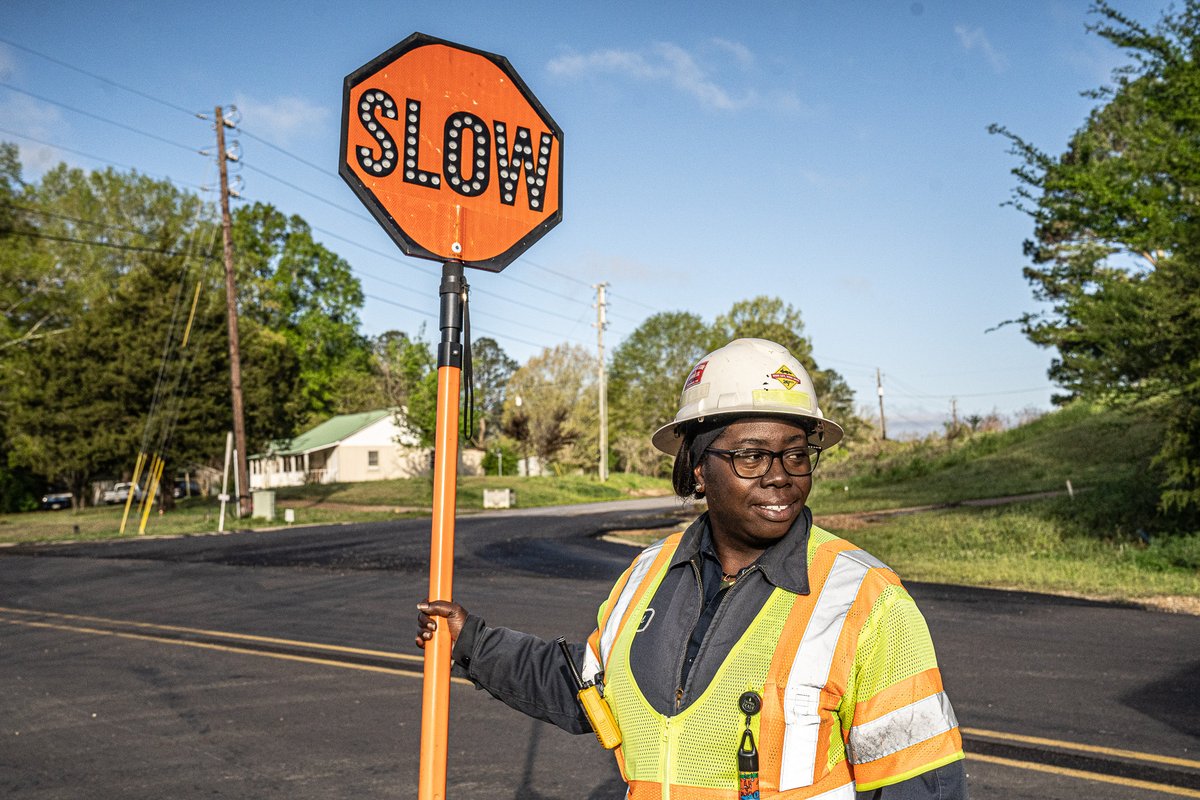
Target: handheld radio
(594, 706)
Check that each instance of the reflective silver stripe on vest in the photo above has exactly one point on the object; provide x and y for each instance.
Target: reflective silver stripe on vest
(591, 665)
(901, 728)
(843, 792)
(810, 669)
(638, 573)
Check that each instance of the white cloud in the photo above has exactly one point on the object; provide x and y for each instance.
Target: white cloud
(738, 50)
(671, 65)
(974, 38)
(280, 119)
(34, 120)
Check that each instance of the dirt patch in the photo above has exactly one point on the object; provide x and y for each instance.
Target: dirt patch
(1173, 605)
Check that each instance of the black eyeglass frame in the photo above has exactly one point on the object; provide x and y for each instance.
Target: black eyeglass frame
(812, 451)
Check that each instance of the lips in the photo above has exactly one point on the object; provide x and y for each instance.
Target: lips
(776, 512)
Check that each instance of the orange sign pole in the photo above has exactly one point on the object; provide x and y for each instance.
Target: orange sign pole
(476, 146)
(435, 708)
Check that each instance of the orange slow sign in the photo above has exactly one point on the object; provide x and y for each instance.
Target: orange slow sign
(451, 153)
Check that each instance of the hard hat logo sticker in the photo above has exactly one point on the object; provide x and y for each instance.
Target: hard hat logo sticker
(786, 377)
(695, 376)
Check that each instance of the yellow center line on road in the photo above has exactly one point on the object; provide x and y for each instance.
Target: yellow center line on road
(1178, 791)
(244, 637)
(333, 662)
(226, 648)
(1084, 748)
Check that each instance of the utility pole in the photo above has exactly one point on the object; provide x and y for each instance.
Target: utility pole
(601, 324)
(882, 421)
(954, 415)
(235, 357)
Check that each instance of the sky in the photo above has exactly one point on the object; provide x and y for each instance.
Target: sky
(832, 154)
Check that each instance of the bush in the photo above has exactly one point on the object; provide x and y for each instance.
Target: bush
(18, 490)
(501, 459)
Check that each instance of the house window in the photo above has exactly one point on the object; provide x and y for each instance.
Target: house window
(372, 459)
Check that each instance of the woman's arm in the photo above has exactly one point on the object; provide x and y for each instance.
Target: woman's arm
(523, 671)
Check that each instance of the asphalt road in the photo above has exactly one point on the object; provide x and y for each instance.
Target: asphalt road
(280, 664)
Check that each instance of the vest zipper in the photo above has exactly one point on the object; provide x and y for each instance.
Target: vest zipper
(666, 760)
(683, 654)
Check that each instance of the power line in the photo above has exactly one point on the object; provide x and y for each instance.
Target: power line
(636, 302)
(113, 122)
(259, 170)
(100, 78)
(474, 289)
(989, 394)
(313, 195)
(159, 100)
(476, 328)
(287, 153)
(566, 297)
(366, 219)
(76, 220)
(103, 160)
(251, 167)
(562, 275)
(93, 243)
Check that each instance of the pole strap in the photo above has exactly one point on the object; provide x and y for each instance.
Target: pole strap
(468, 373)
(454, 348)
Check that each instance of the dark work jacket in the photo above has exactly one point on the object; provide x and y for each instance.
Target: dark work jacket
(528, 673)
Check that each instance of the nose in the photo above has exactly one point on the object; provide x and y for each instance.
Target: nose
(776, 474)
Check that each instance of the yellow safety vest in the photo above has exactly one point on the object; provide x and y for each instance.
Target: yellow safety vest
(852, 697)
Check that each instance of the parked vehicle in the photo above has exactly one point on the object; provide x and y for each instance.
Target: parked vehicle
(186, 489)
(53, 501)
(120, 493)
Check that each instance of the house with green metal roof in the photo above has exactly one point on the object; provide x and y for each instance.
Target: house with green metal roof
(348, 448)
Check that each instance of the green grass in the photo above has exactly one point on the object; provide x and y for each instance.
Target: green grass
(530, 492)
(329, 503)
(1027, 546)
(1109, 541)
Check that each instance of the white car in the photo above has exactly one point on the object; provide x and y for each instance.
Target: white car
(120, 493)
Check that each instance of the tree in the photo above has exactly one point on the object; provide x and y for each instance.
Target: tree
(1116, 245)
(292, 285)
(406, 370)
(492, 369)
(24, 282)
(99, 272)
(558, 413)
(27, 282)
(648, 369)
(117, 257)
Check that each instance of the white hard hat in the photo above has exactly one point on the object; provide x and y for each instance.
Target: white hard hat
(749, 377)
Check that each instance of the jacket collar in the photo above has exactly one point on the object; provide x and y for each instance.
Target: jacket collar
(784, 564)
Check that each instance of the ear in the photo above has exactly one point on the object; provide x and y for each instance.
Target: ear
(698, 474)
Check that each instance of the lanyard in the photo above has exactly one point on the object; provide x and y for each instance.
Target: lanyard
(750, 704)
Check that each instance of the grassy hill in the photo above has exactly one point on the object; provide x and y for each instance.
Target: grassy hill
(1108, 540)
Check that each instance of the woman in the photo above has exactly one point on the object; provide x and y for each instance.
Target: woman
(754, 652)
